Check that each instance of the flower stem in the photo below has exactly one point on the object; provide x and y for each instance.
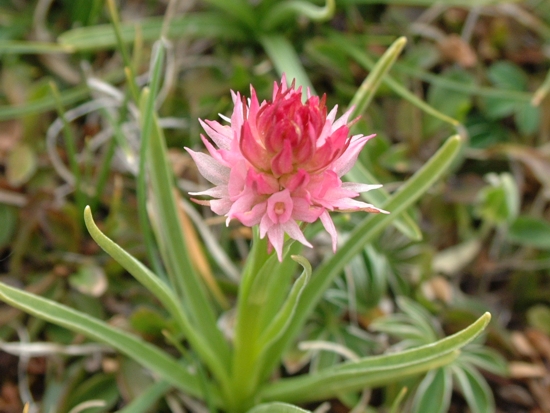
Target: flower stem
(247, 330)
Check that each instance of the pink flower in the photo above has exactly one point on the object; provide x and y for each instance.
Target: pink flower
(278, 163)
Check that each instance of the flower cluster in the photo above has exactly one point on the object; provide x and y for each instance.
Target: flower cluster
(279, 162)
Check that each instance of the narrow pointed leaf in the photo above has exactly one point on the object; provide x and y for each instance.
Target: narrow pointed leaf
(372, 371)
(159, 289)
(369, 87)
(285, 314)
(144, 353)
(277, 407)
(474, 388)
(434, 392)
(365, 232)
(172, 239)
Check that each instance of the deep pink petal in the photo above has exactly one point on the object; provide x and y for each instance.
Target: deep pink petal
(282, 162)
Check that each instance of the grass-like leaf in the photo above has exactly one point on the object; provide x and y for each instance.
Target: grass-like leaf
(167, 367)
(434, 392)
(365, 232)
(372, 371)
(172, 240)
(277, 407)
(100, 37)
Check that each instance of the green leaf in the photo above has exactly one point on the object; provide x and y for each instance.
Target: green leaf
(427, 3)
(454, 103)
(530, 232)
(286, 60)
(369, 87)
(280, 323)
(90, 279)
(146, 399)
(173, 242)
(474, 388)
(539, 317)
(499, 202)
(144, 353)
(365, 232)
(277, 407)
(8, 218)
(282, 11)
(100, 387)
(371, 371)
(23, 47)
(20, 165)
(527, 118)
(378, 197)
(486, 358)
(507, 75)
(434, 393)
(100, 37)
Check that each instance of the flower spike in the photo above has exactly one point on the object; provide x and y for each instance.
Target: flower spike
(280, 162)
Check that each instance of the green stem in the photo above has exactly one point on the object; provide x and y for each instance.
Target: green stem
(247, 330)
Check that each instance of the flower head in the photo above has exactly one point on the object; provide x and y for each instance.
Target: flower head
(279, 162)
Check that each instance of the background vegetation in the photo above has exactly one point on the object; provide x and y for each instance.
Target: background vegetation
(479, 241)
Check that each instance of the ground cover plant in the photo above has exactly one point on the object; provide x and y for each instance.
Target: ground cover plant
(287, 260)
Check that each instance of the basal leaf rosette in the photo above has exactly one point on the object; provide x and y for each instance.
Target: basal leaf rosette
(279, 163)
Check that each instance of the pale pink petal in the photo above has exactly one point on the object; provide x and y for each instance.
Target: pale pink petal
(344, 164)
(357, 187)
(220, 206)
(210, 168)
(351, 205)
(216, 192)
(294, 232)
(252, 217)
(276, 237)
(342, 120)
(332, 114)
(222, 135)
(327, 222)
(303, 210)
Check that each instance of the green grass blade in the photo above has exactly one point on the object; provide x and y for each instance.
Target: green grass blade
(121, 46)
(161, 291)
(66, 97)
(405, 224)
(360, 102)
(365, 232)
(147, 114)
(147, 399)
(285, 314)
(13, 47)
(144, 353)
(199, 25)
(70, 142)
(173, 241)
(240, 9)
(286, 60)
(277, 407)
(369, 87)
(372, 371)
(434, 392)
(282, 11)
(428, 3)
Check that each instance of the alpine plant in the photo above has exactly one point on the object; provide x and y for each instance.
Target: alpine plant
(279, 163)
